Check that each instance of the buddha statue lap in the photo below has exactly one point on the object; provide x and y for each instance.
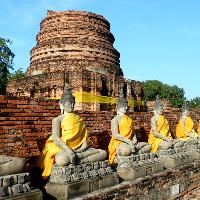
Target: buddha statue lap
(124, 150)
(11, 165)
(13, 179)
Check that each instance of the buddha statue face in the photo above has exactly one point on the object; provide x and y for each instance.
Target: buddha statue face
(158, 111)
(122, 106)
(158, 107)
(69, 106)
(67, 101)
(185, 110)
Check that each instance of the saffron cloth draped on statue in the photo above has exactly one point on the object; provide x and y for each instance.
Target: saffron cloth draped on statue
(74, 134)
(181, 130)
(162, 128)
(198, 129)
(126, 130)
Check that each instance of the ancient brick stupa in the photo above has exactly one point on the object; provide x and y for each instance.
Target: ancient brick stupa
(74, 47)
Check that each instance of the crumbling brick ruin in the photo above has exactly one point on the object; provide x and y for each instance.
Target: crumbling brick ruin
(25, 125)
(75, 47)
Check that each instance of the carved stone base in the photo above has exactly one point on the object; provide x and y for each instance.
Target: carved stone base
(75, 180)
(136, 166)
(73, 173)
(194, 151)
(15, 184)
(173, 158)
(74, 189)
(31, 195)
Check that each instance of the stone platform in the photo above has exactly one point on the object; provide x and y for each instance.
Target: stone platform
(173, 158)
(72, 181)
(18, 186)
(135, 166)
(30, 195)
(172, 184)
(194, 151)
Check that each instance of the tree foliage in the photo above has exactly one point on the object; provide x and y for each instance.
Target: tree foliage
(16, 75)
(6, 63)
(153, 88)
(194, 103)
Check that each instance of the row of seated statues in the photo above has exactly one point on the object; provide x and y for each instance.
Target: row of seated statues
(67, 146)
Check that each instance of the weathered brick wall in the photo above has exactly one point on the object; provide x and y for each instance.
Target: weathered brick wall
(155, 187)
(25, 124)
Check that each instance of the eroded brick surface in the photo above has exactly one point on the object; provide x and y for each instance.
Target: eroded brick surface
(75, 47)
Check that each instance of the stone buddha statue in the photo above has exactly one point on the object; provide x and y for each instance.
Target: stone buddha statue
(160, 137)
(11, 165)
(124, 141)
(185, 127)
(68, 142)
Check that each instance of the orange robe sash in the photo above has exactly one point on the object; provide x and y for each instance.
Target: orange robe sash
(126, 128)
(162, 128)
(181, 130)
(73, 133)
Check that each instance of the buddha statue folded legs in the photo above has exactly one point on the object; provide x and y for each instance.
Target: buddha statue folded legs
(11, 165)
(13, 179)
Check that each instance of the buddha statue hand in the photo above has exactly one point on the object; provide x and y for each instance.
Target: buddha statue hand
(172, 143)
(132, 146)
(65, 158)
(72, 157)
(83, 148)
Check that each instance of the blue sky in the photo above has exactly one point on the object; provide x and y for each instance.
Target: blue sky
(157, 39)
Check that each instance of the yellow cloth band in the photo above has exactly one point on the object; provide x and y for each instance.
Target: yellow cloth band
(86, 97)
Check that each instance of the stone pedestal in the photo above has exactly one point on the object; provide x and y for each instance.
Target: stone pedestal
(78, 188)
(135, 166)
(17, 186)
(173, 158)
(194, 151)
(30, 195)
(72, 181)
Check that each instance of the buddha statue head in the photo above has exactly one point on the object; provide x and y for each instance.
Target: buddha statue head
(67, 100)
(158, 107)
(185, 110)
(122, 104)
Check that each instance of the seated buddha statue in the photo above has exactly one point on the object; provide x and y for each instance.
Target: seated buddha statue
(185, 127)
(160, 137)
(68, 142)
(11, 165)
(124, 141)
